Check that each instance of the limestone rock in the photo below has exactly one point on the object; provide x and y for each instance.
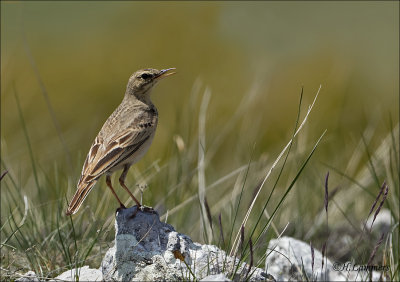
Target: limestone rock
(30, 276)
(84, 273)
(290, 260)
(148, 249)
(216, 277)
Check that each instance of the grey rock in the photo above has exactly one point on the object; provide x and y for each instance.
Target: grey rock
(30, 276)
(148, 249)
(84, 273)
(216, 277)
(289, 259)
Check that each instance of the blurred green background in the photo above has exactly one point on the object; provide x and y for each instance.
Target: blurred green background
(85, 52)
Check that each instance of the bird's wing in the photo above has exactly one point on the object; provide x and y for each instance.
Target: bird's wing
(104, 155)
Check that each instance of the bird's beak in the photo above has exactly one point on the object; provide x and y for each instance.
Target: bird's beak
(165, 73)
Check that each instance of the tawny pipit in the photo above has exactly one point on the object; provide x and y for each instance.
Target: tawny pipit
(124, 138)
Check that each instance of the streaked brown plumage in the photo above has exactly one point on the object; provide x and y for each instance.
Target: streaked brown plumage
(124, 138)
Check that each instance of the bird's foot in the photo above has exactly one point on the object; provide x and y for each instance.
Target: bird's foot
(134, 213)
(121, 207)
(141, 208)
(146, 209)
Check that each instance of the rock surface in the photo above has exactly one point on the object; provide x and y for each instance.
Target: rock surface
(84, 273)
(216, 277)
(290, 260)
(29, 276)
(148, 249)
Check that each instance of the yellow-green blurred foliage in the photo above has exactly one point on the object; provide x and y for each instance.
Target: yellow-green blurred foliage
(86, 51)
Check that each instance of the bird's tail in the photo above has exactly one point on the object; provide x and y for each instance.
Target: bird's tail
(80, 195)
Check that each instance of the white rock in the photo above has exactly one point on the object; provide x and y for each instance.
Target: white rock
(290, 260)
(84, 273)
(30, 276)
(148, 249)
(216, 277)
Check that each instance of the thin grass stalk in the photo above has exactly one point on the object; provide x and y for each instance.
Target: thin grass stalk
(9, 174)
(3, 174)
(276, 161)
(76, 261)
(380, 205)
(239, 201)
(375, 249)
(235, 268)
(203, 224)
(32, 261)
(370, 212)
(194, 197)
(377, 199)
(291, 185)
(28, 142)
(352, 180)
(172, 189)
(372, 167)
(312, 258)
(241, 244)
(285, 194)
(393, 173)
(91, 245)
(201, 156)
(10, 194)
(35, 174)
(394, 143)
(191, 272)
(66, 253)
(221, 231)
(48, 103)
(326, 203)
(303, 271)
(323, 255)
(346, 216)
(272, 223)
(326, 193)
(251, 259)
(4, 243)
(280, 172)
(365, 173)
(265, 254)
(208, 212)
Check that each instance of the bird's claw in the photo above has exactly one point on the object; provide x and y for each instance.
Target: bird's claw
(147, 209)
(142, 208)
(121, 207)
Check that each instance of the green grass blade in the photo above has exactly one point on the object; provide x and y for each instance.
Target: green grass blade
(282, 168)
(28, 142)
(371, 163)
(290, 187)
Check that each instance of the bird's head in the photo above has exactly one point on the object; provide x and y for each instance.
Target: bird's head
(141, 82)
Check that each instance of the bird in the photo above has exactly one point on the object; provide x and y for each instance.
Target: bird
(124, 138)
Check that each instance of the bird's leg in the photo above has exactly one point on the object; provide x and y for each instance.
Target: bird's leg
(108, 181)
(122, 182)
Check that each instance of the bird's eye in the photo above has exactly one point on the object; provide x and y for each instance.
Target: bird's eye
(146, 76)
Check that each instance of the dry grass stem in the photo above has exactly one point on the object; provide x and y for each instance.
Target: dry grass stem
(235, 245)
